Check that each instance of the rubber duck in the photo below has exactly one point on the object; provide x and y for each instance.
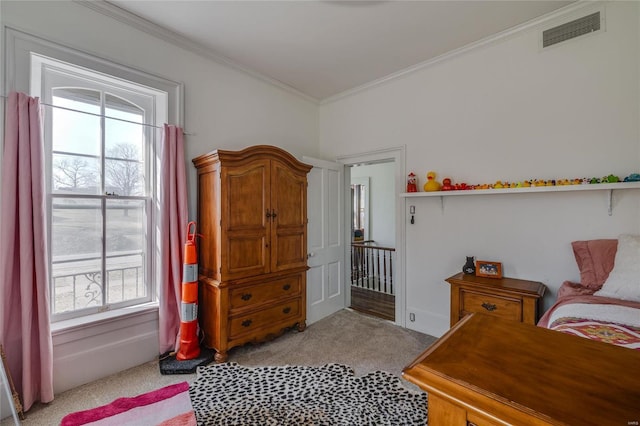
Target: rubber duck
(431, 184)
(498, 185)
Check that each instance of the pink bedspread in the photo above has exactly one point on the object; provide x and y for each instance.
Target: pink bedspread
(593, 324)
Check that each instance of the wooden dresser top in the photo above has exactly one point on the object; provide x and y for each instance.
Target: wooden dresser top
(532, 288)
(521, 368)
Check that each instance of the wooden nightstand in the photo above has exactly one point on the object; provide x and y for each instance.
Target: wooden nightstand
(508, 298)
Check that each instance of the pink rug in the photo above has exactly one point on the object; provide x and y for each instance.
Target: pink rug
(168, 406)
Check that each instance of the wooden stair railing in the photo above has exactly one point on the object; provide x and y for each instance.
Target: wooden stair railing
(372, 266)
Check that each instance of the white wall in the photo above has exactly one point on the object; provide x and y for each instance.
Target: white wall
(225, 108)
(506, 110)
(381, 193)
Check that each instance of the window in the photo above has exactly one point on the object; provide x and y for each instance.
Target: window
(100, 135)
(360, 208)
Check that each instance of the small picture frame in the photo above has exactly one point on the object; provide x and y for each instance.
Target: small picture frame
(488, 269)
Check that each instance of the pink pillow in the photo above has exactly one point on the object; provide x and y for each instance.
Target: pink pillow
(595, 260)
(569, 289)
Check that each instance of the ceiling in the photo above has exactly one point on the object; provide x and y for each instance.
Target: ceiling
(322, 48)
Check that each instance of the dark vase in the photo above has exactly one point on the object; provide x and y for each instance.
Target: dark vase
(469, 267)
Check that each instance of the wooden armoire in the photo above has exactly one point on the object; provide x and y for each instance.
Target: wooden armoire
(252, 215)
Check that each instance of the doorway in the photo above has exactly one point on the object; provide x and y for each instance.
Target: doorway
(372, 250)
(376, 238)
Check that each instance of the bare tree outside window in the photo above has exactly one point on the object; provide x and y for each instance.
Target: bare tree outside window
(73, 173)
(124, 172)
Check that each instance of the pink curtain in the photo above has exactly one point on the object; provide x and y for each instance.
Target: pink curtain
(25, 331)
(174, 219)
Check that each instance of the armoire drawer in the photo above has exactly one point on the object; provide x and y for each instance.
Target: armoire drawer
(269, 316)
(264, 292)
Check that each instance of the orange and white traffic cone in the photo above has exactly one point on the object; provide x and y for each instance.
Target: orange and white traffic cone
(189, 345)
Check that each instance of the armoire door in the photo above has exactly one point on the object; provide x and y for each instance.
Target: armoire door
(245, 217)
(288, 218)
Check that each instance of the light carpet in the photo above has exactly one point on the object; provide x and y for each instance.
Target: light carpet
(230, 394)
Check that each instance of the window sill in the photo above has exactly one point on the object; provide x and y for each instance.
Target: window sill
(77, 324)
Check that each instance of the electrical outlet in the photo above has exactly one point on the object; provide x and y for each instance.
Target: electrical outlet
(412, 317)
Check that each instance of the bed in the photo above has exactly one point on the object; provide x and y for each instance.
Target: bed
(605, 305)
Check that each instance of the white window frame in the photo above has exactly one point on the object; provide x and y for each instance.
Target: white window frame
(19, 48)
(48, 74)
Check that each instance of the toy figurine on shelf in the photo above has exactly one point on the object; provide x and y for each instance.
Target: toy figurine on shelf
(412, 183)
(446, 185)
(431, 184)
(633, 177)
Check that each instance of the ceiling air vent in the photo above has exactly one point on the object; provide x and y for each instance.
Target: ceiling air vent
(564, 32)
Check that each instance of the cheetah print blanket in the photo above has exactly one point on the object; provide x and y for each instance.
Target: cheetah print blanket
(229, 394)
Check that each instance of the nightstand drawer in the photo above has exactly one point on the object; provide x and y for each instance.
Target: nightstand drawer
(503, 307)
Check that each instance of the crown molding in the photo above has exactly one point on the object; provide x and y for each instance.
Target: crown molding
(492, 39)
(112, 11)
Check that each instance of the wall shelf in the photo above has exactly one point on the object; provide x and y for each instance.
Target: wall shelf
(534, 189)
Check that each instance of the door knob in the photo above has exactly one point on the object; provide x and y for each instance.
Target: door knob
(310, 254)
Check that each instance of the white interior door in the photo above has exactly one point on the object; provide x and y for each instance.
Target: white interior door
(326, 292)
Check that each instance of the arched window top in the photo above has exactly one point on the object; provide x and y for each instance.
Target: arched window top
(116, 104)
(81, 99)
(90, 100)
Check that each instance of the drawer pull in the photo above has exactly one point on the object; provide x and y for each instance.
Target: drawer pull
(489, 306)
(246, 323)
(246, 296)
(286, 310)
(286, 287)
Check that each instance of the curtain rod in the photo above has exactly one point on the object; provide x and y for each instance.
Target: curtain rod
(105, 116)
